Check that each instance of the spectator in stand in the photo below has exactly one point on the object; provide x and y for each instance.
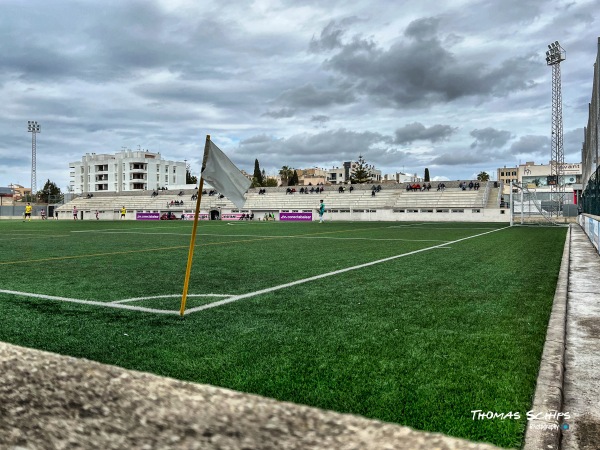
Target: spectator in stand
(471, 185)
(373, 193)
(351, 188)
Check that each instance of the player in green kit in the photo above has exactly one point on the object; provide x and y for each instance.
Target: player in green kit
(321, 211)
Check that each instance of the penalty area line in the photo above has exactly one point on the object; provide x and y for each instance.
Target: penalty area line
(235, 298)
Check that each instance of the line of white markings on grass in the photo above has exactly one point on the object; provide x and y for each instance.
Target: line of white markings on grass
(282, 236)
(121, 304)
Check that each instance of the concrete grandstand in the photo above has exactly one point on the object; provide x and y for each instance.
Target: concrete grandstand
(392, 203)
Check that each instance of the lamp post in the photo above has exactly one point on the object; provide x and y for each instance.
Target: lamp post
(33, 127)
(554, 55)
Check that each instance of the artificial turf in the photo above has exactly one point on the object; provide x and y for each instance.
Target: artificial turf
(421, 340)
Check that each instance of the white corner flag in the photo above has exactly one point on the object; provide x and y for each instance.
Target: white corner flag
(223, 175)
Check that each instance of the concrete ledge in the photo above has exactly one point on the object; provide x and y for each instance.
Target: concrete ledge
(53, 401)
(540, 433)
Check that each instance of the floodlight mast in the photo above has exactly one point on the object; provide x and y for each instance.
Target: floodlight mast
(554, 56)
(33, 127)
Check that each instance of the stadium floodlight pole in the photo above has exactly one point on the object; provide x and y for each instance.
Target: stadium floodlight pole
(33, 127)
(554, 56)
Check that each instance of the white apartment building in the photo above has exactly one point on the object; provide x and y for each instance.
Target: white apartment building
(401, 177)
(125, 171)
(341, 175)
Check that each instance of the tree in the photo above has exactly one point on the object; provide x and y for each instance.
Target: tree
(426, 178)
(286, 174)
(189, 178)
(360, 174)
(257, 178)
(483, 176)
(50, 193)
(294, 179)
(271, 182)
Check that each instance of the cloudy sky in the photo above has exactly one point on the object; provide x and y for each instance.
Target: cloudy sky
(456, 86)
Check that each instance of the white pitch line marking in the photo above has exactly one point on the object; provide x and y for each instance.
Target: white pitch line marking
(88, 302)
(328, 274)
(283, 236)
(137, 299)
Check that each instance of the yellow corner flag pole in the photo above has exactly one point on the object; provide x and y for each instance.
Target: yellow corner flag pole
(194, 228)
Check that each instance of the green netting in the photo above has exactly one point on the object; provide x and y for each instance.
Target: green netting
(590, 200)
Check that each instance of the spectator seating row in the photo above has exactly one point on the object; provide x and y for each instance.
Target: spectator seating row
(277, 199)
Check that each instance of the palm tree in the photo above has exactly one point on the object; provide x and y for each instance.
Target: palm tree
(286, 175)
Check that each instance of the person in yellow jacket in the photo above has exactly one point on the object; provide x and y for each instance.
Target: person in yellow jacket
(28, 209)
(123, 211)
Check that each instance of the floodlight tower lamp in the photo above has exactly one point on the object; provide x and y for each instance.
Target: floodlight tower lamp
(554, 56)
(33, 127)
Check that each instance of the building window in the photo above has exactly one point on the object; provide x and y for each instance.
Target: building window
(167, 179)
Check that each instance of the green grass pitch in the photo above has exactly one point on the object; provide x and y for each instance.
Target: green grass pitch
(456, 324)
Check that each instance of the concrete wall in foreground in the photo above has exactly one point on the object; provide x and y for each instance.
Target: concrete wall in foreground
(53, 401)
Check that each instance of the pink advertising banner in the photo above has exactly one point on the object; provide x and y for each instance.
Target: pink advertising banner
(296, 216)
(147, 216)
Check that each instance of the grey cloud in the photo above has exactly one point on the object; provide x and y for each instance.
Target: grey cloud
(418, 132)
(419, 70)
(280, 113)
(308, 96)
(330, 38)
(321, 119)
(422, 28)
(321, 149)
(532, 145)
(464, 158)
(573, 143)
(489, 138)
(259, 139)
